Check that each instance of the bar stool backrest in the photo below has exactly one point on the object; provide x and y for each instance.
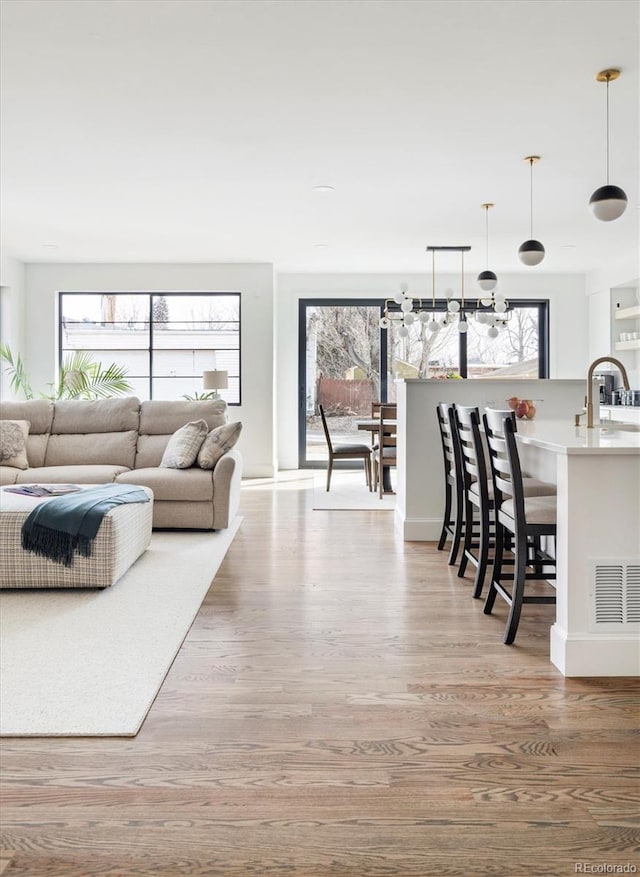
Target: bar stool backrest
(449, 440)
(470, 442)
(494, 429)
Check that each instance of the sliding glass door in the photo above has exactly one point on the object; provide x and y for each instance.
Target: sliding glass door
(346, 360)
(341, 348)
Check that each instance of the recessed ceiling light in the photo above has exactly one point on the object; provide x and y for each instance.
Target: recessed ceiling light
(324, 189)
(50, 246)
(567, 246)
(321, 246)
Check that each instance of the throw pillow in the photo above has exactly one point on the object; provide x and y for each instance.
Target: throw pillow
(217, 443)
(13, 443)
(182, 449)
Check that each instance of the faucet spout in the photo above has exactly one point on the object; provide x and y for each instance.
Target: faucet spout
(592, 368)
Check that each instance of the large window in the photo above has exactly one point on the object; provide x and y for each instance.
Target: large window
(519, 350)
(164, 340)
(346, 360)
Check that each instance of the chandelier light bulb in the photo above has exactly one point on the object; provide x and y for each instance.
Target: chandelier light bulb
(407, 305)
(487, 302)
(398, 298)
(481, 317)
(433, 326)
(384, 323)
(500, 307)
(409, 319)
(499, 296)
(493, 332)
(403, 331)
(453, 306)
(424, 316)
(463, 326)
(608, 202)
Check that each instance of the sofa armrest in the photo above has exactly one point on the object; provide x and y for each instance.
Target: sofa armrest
(227, 476)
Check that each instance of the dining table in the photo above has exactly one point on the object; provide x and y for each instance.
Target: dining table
(372, 425)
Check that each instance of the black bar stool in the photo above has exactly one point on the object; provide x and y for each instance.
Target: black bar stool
(526, 518)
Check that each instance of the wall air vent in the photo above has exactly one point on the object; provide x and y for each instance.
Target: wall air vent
(615, 589)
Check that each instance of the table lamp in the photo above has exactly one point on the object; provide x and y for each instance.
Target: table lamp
(215, 380)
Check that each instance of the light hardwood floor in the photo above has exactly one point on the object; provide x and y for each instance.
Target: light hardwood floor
(340, 707)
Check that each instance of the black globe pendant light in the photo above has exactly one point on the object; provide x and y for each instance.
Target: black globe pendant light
(487, 280)
(531, 252)
(608, 202)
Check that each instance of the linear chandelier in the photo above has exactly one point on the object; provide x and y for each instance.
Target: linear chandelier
(404, 309)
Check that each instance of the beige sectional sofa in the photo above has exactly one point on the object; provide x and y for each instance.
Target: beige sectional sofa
(123, 440)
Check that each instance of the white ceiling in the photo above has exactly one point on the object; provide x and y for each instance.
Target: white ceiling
(195, 130)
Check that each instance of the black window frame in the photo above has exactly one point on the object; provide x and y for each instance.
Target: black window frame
(151, 294)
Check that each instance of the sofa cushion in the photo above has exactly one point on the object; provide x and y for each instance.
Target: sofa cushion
(165, 417)
(96, 416)
(80, 474)
(13, 443)
(217, 443)
(8, 475)
(95, 448)
(184, 444)
(39, 413)
(183, 485)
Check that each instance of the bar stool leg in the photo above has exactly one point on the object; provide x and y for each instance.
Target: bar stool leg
(483, 553)
(518, 589)
(496, 571)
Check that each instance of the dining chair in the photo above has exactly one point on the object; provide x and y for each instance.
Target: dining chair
(527, 519)
(384, 454)
(345, 452)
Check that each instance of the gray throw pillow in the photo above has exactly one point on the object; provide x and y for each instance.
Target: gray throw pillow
(182, 450)
(217, 443)
(13, 443)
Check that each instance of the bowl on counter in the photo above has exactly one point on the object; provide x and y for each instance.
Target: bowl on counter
(525, 409)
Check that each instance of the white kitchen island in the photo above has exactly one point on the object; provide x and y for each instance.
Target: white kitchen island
(597, 471)
(598, 476)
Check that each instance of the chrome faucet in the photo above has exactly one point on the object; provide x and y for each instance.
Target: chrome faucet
(592, 367)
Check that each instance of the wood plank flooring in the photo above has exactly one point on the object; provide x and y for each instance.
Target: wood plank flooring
(340, 707)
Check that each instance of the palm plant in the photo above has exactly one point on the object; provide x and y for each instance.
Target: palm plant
(80, 377)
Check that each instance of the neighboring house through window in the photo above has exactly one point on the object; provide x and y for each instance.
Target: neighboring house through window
(165, 340)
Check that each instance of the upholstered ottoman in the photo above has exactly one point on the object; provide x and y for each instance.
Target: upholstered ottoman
(123, 536)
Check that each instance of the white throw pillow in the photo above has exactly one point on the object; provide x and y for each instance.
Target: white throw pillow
(13, 443)
(182, 450)
(217, 443)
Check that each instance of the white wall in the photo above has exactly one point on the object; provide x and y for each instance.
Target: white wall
(568, 319)
(12, 310)
(254, 282)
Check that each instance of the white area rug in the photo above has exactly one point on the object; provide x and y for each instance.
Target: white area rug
(348, 492)
(90, 663)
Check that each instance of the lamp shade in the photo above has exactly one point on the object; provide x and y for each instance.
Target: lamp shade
(487, 280)
(608, 203)
(531, 252)
(215, 380)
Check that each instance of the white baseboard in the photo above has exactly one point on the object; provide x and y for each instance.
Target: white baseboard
(417, 529)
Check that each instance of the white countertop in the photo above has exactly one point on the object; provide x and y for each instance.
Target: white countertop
(562, 437)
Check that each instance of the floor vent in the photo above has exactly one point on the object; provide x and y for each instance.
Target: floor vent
(616, 591)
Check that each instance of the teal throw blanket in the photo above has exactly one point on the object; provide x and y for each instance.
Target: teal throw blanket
(66, 525)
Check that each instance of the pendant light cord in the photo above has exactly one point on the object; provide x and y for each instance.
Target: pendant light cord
(531, 199)
(608, 130)
(433, 282)
(462, 281)
(486, 251)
